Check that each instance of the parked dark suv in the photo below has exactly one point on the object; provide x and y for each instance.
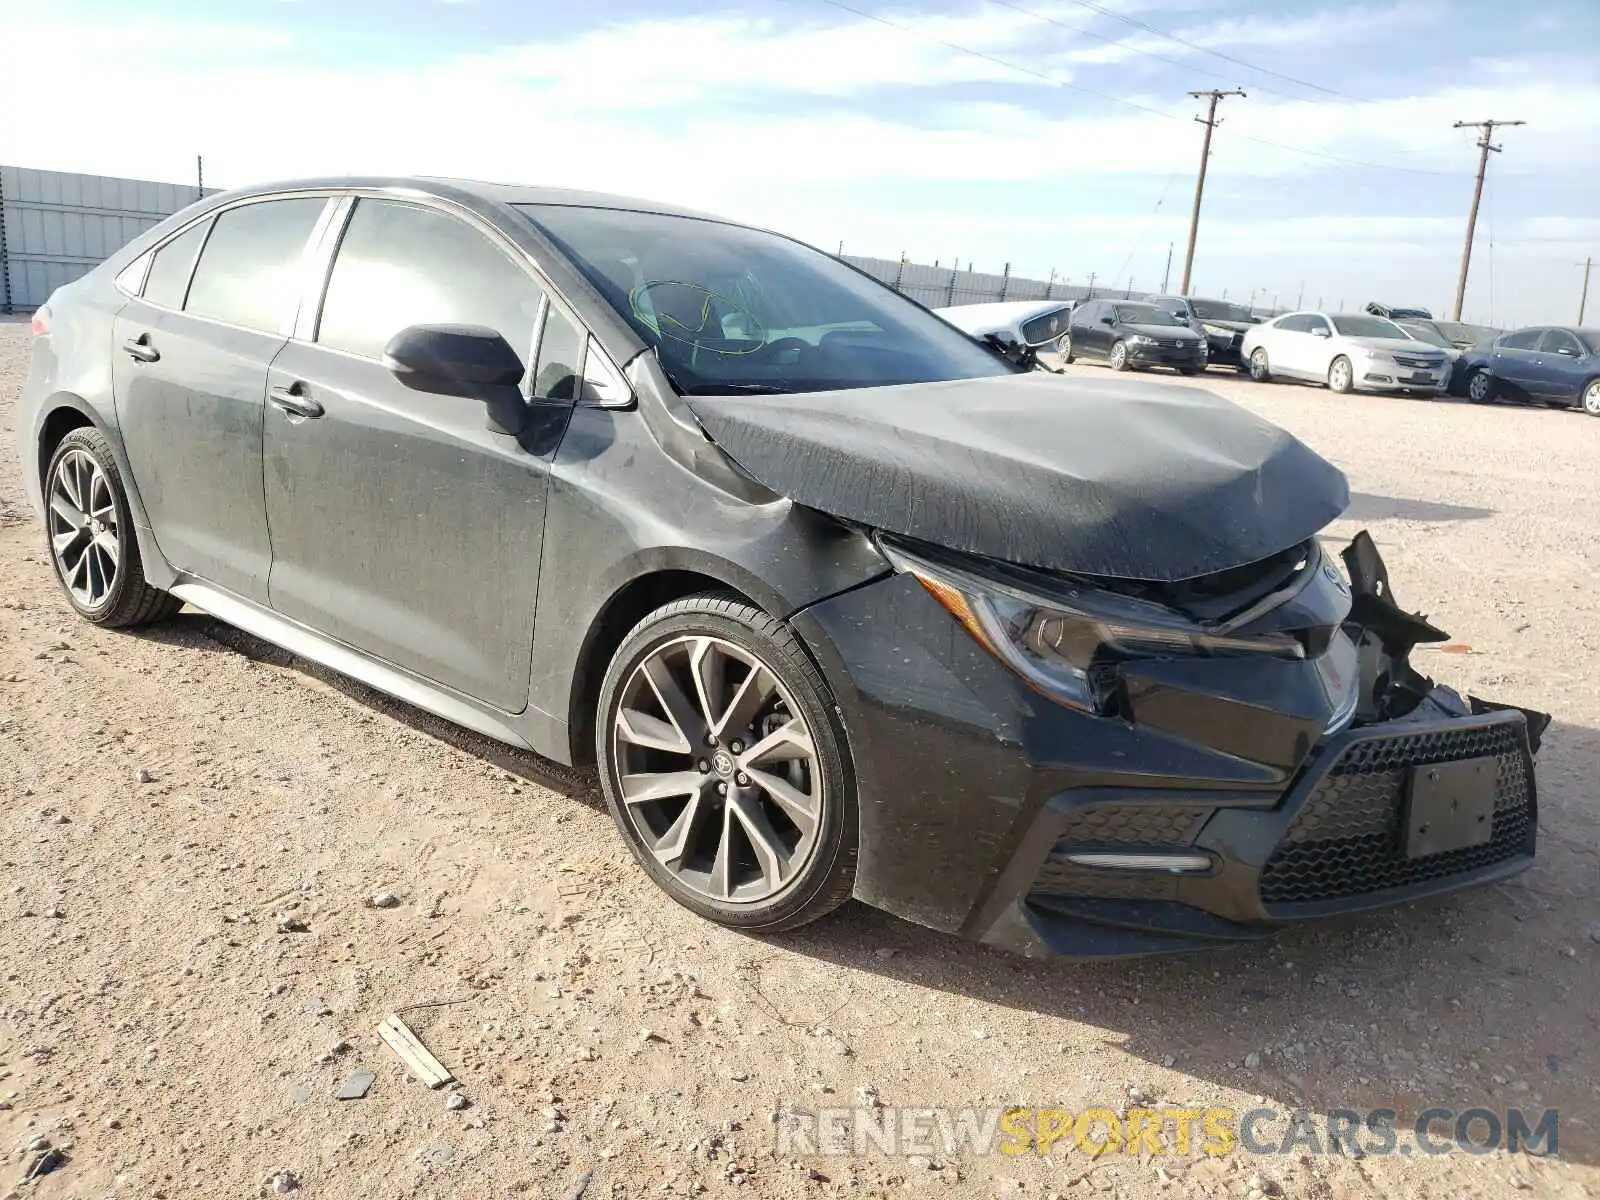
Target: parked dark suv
(1130, 334)
(838, 600)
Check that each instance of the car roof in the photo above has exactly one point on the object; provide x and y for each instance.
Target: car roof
(501, 193)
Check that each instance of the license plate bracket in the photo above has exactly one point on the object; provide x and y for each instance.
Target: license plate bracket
(1449, 806)
(1419, 377)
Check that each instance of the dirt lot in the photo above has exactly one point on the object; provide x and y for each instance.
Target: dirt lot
(169, 796)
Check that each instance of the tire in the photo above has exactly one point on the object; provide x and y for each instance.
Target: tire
(1190, 370)
(1067, 356)
(1118, 358)
(1341, 376)
(103, 586)
(705, 862)
(1591, 398)
(1258, 367)
(1481, 387)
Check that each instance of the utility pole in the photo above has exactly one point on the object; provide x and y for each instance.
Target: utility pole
(200, 176)
(1091, 286)
(1583, 303)
(1210, 122)
(1166, 276)
(1485, 145)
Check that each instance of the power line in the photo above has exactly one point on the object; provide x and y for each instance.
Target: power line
(1240, 62)
(1057, 81)
(1210, 122)
(1486, 146)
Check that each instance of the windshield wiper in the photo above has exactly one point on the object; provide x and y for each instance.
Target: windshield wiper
(735, 389)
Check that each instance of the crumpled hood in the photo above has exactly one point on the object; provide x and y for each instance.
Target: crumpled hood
(1123, 479)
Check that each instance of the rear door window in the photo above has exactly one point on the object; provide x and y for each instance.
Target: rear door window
(1522, 339)
(249, 272)
(170, 268)
(404, 264)
(1559, 341)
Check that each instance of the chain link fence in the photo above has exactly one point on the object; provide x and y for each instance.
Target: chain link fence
(941, 287)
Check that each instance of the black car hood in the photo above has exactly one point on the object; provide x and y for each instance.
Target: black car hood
(1123, 479)
(1234, 326)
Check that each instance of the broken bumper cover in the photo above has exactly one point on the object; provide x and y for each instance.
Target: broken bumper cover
(990, 811)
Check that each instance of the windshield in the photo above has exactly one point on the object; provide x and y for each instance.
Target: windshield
(1220, 310)
(1590, 339)
(1144, 314)
(1475, 335)
(1372, 327)
(730, 309)
(1425, 331)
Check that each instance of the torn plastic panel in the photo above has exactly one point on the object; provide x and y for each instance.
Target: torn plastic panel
(1107, 478)
(1385, 634)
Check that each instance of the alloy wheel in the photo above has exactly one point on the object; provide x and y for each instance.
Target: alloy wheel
(84, 533)
(1258, 365)
(1339, 377)
(717, 771)
(1119, 356)
(1591, 399)
(1478, 386)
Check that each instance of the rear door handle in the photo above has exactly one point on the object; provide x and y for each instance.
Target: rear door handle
(141, 350)
(293, 401)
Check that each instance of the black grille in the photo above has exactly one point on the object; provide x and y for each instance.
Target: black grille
(1150, 824)
(1346, 838)
(1418, 364)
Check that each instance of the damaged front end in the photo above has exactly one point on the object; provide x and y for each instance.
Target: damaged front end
(1203, 761)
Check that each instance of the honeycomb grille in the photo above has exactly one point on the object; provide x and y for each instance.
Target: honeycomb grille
(1346, 838)
(1150, 824)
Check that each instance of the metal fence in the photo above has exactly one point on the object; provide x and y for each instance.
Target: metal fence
(940, 287)
(56, 226)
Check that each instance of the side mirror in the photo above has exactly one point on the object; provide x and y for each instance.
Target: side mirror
(1321, 331)
(1108, 320)
(1568, 351)
(471, 361)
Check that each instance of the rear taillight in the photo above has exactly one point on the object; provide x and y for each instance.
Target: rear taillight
(41, 322)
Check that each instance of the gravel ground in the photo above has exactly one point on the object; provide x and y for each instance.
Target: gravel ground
(175, 798)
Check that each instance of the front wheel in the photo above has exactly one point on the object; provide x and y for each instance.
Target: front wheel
(1480, 387)
(91, 539)
(1341, 378)
(1591, 398)
(1067, 356)
(1119, 356)
(723, 764)
(1259, 368)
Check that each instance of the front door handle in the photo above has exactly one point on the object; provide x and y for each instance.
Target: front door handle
(141, 350)
(294, 401)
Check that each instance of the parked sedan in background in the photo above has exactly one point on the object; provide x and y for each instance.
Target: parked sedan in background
(1222, 325)
(1347, 351)
(1131, 334)
(1558, 366)
(1448, 333)
(1036, 325)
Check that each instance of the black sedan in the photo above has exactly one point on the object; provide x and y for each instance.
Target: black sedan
(836, 599)
(1220, 322)
(1130, 334)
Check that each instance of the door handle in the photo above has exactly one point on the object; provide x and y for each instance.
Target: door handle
(293, 401)
(141, 350)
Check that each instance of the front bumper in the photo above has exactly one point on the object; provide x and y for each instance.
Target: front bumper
(1225, 350)
(1167, 356)
(973, 791)
(1379, 376)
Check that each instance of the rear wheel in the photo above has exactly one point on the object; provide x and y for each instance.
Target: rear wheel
(90, 534)
(1119, 356)
(723, 765)
(1480, 386)
(1591, 398)
(1341, 378)
(1260, 370)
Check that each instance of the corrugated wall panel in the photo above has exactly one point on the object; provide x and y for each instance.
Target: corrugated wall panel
(58, 226)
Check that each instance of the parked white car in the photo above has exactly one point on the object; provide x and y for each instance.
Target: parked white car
(1347, 351)
(1037, 324)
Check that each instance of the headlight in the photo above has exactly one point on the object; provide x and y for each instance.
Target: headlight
(1068, 650)
(1139, 339)
(1218, 331)
(1377, 356)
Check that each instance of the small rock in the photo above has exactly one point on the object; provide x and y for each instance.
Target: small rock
(1252, 1061)
(1170, 1061)
(47, 1161)
(1264, 1185)
(1568, 952)
(281, 1183)
(36, 1144)
(885, 952)
(5, 1106)
(981, 1034)
(54, 912)
(143, 776)
(650, 1035)
(333, 1052)
(1594, 933)
(289, 923)
(113, 1122)
(455, 1102)
(1138, 1095)
(919, 1162)
(63, 819)
(384, 900)
(738, 1076)
(435, 1154)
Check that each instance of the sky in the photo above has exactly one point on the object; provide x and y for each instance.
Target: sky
(1053, 135)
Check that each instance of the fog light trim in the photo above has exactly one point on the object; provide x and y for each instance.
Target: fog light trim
(1174, 864)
